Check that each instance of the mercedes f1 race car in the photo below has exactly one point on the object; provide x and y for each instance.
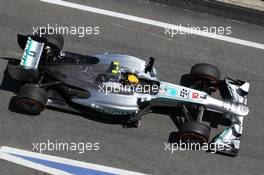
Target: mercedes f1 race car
(122, 85)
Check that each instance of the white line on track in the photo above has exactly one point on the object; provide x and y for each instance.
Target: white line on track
(9, 154)
(155, 23)
(29, 164)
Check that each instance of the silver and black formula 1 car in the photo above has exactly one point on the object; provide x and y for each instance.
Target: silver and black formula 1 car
(123, 85)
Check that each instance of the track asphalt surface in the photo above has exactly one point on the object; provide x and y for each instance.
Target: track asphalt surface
(141, 149)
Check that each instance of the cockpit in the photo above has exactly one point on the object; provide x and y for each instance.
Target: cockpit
(120, 80)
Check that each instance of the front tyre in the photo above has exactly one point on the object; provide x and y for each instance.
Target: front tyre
(205, 77)
(194, 132)
(31, 99)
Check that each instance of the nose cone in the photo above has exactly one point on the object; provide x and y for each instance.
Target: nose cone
(242, 110)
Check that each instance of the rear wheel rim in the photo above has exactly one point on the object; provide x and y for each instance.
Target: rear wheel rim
(30, 105)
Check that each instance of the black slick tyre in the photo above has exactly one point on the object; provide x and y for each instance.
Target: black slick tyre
(194, 132)
(31, 99)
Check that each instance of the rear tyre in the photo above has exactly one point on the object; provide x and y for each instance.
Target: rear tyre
(55, 41)
(31, 99)
(194, 132)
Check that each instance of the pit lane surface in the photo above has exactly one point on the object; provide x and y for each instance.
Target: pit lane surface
(139, 149)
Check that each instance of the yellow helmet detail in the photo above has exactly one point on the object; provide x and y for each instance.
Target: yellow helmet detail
(133, 79)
